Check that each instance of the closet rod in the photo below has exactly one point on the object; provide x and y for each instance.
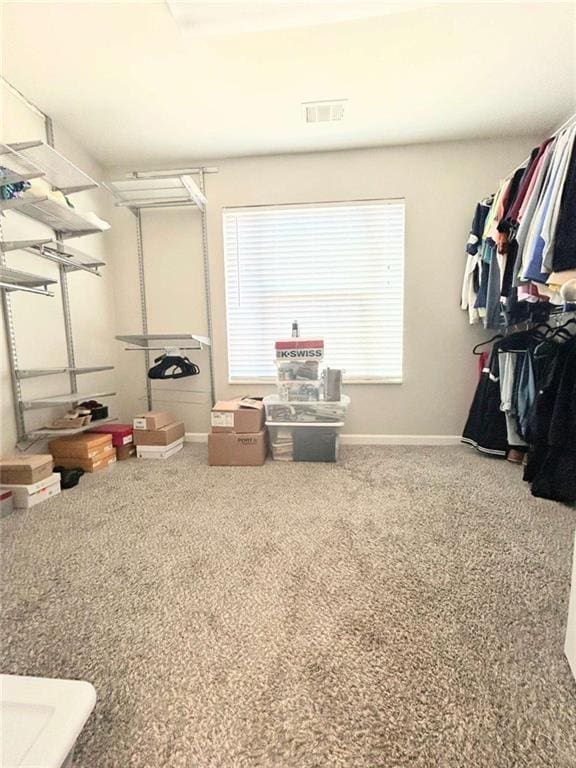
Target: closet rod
(161, 349)
(169, 173)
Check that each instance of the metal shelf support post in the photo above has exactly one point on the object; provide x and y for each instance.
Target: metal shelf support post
(206, 259)
(12, 354)
(143, 306)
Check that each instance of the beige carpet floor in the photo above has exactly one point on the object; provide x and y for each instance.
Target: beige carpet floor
(405, 607)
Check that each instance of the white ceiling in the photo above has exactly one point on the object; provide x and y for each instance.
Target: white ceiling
(224, 17)
(126, 81)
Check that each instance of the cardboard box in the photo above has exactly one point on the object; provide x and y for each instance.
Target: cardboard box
(163, 436)
(122, 434)
(153, 420)
(27, 496)
(25, 470)
(94, 464)
(159, 451)
(124, 452)
(229, 449)
(83, 446)
(241, 416)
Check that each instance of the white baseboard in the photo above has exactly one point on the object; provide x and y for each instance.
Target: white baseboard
(400, 439)
(196, 437)
(347, 439)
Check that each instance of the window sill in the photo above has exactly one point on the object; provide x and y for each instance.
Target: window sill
(345, 382)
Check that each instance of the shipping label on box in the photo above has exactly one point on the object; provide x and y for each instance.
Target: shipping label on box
(299, 349)
(222, 419)
(153, 420)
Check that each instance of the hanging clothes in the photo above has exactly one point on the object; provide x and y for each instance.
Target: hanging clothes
(526, 399)
(528, 232)
(563, 255)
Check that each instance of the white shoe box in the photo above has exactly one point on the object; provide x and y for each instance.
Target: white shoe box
(27, 496)
(159, 451)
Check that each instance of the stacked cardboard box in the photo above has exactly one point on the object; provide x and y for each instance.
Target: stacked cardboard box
(122, 439)
(238, 437)
(29, 479)
(88, 451)
(157, 435)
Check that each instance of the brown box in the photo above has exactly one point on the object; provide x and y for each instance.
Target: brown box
(84, 446)
(228, 449)
(163, 436)
(241, 415)
(152, 420)
(25, 470)
(99, 461)
(124, 452)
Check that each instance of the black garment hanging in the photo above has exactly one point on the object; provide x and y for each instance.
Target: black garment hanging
(486, 425)
(552, 462)
(172, 367)
(564, 252)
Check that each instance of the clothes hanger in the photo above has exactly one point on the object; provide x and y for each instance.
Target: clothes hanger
(483, 343)
(560, 330)
(173, 367)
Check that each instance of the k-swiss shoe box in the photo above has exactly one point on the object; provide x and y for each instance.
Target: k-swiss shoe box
(159, 451)
(124, 452)
(97, 462)
(84, 446)
(228, 449)
(25, 470)
(163, 436)
(241, 416)
(122, 434)
(153, 420)
(299, 349)
(27, 496)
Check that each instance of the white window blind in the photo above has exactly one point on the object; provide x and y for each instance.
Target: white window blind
(335, 268)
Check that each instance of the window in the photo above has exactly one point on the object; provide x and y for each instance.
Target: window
(336, 268)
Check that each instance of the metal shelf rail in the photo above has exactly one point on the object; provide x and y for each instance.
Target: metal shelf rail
(66, 221)
(15, 280)
(71, 258)
(33, 159)
(141, 191)
(20, 162)
(45, 432)
(53, 401)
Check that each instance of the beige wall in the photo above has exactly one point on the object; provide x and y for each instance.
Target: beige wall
(440, 183)
(38, 320)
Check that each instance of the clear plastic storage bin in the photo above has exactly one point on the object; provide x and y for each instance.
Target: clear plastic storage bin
(279, 410)
(305, 441)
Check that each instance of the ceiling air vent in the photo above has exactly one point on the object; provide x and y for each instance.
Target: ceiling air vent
(324, 111)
